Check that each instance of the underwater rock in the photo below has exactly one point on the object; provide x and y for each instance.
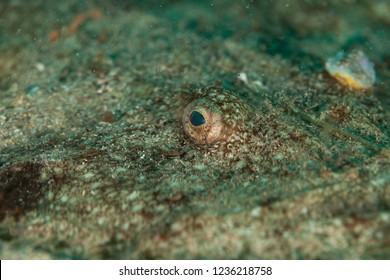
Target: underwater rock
(353, 69)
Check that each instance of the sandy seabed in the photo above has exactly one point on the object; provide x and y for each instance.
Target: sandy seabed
(94, 163)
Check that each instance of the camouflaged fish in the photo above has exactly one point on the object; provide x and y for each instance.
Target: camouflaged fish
(216, 120)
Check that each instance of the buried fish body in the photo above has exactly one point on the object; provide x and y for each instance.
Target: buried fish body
(215, 120)
(220, 123)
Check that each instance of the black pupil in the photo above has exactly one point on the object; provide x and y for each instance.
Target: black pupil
(197, 118)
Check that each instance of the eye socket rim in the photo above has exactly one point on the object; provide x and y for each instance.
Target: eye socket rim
(196, 112)
(207, 133)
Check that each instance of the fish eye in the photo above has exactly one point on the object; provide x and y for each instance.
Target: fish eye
(197, 118)
(201, 121)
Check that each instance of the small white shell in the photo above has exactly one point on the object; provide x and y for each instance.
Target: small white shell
(353, 69)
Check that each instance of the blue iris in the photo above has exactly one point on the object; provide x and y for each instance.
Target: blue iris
(197, 118)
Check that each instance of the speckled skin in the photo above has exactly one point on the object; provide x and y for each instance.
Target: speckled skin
(228, 119)
(241, 130)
